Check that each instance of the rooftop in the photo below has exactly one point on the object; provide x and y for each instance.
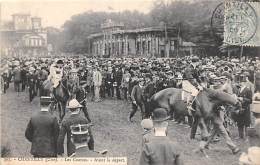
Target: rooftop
(140, 30)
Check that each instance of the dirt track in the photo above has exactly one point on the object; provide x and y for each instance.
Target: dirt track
(111, 131)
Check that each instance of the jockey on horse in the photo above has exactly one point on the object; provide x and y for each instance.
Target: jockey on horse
(190, 84)
(56, 74)
(58, 87)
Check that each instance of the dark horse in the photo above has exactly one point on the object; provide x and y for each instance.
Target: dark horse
(205, 107)
(61, 95)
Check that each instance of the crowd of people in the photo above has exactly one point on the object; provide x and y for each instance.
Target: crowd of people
(130, 79)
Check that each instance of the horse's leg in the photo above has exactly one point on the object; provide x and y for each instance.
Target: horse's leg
(194, 127)
(203, 128)
(63, 108)
(190, 121)
(85, 111)
(51, 107)
(60, 111)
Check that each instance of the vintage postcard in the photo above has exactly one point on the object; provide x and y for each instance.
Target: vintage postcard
(130, 82)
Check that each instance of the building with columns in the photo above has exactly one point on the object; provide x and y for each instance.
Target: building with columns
(115, 41)
(23, 36)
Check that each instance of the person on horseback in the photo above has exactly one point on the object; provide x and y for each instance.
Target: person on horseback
(191, 81)
(56, 74)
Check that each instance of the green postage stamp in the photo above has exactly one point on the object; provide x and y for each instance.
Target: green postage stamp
(241, 23)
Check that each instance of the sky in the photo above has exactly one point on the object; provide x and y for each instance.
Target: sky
(56, 12)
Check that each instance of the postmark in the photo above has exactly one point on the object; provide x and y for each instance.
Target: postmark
(240, 22)
(217, 23)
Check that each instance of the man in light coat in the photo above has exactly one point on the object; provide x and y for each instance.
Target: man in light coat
(97, 80)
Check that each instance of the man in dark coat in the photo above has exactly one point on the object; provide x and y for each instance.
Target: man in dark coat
(244, 117)
(42, 131)
(31, 81)
(160, 149)
(81, 97)
(17, 78)
(118, 80)
(23, 77)
(137, 99)
(80, 137)
(73, 119)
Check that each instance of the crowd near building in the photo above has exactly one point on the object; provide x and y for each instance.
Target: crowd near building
(24, 35)
(115, 41)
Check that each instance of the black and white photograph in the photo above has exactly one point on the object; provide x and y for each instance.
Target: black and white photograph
(130, 82)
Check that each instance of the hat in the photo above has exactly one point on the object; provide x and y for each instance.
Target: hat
(179, 77)
(252, 158)
(147, 124)
(74, 104)
(160, 115)
(140, 79)
(45, 100)
(59, 62)
(31, 69)
(80, 133)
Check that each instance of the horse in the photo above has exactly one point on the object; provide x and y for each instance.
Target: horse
(205, 106)
(61, 96)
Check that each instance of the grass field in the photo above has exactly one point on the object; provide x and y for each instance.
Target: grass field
(111, 131)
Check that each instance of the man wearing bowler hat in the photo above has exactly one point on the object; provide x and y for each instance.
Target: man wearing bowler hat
(74, 119)
(160, 149)
(42, 131)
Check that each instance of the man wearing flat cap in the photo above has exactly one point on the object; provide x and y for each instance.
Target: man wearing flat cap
(74, 119)
(42, 131)
(137, 99)
(160, 150)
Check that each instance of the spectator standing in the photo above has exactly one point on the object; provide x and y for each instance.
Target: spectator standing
(97, 80)
(42, 131)
(74, 119)
(125, 83)
(160, 150)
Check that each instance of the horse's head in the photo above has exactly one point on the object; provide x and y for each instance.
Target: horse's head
(217, 97)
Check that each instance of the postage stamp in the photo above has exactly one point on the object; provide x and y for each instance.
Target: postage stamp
(241, 24)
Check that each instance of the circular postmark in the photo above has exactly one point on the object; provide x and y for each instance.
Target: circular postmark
(217, 22)
(240, 22)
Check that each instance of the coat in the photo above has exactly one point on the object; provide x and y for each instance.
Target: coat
(65, 129)
(42, 131)
(244, 118)
(160, 151)
(97, 78)
(125, 80)
(17, 75)
(149, 90)
(137, 94)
